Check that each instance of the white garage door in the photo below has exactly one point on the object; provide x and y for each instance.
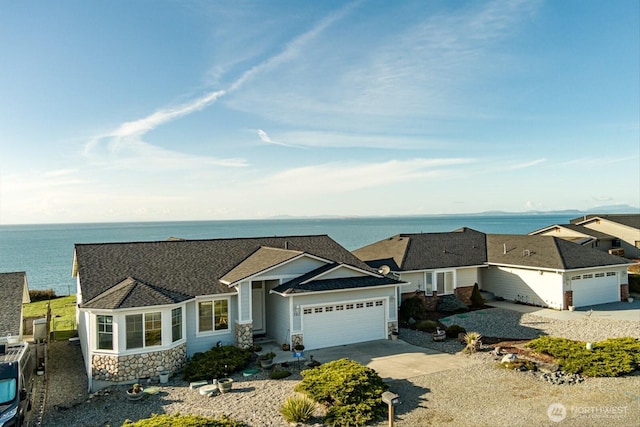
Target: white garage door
(592, 289)
(330, 325)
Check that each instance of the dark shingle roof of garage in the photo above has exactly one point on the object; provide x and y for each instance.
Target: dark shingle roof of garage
(545, 252)
(187, 267)
(424, 251)
(307, 283)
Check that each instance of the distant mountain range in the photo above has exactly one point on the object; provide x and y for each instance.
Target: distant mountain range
(611, 209)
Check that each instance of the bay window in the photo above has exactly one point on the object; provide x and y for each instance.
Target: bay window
(105, 332)
(143, 330)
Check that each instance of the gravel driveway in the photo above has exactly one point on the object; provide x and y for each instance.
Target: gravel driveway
(472, 396)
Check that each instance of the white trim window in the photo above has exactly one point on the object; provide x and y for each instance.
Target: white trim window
(143, 330)
(176, 324)
(213, 315)
(104, 325)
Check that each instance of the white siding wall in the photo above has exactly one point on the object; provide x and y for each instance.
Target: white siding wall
(467, 277)
(278, 325)
(244, 298)
(528, 286)
(295, 268)
(417, 282)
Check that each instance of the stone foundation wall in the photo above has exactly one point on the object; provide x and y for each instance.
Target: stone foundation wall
(624, 292)
(108, 367)
(296, 340)
(244, 335)
(464, 294)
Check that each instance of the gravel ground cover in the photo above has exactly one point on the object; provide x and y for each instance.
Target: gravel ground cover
(477, 396)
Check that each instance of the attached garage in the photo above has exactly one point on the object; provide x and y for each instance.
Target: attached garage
(334, 324)
(595, 288)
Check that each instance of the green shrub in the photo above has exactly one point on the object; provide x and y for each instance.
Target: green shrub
(178, 420)
(298, 409)
(350, 390)
(216, 363)
(451, 304)
(427, 325)
(609, 358)
(412, 308)
(476, 297)
(278, 374)
(453, 331)
(36, 295)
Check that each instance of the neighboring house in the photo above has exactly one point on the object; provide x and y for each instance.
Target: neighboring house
(432, 263)
(145, 307)
(618, 234)
(539, 270)
(14, 292)
(552, 272)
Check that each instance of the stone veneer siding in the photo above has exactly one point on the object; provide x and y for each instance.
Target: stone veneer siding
(296, 340)
(244, 335)
(464, 294)
(110, 367)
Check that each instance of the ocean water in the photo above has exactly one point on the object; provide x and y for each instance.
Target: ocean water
(45, 251)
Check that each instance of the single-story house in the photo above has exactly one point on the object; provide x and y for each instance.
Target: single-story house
(545, 271)
(431, 263)
(617, 234)
(144, 307)
(552, 272)
(14, 291)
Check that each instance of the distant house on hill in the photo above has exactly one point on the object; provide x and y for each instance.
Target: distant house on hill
(14, 292)
(617, 234)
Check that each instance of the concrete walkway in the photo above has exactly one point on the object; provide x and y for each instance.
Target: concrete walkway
(614, 310)
(391, 359)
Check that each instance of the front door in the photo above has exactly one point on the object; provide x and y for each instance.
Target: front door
(257, 307)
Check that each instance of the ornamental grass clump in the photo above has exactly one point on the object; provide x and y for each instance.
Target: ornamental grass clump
(298, 409)
(473, 341)
(349, 390)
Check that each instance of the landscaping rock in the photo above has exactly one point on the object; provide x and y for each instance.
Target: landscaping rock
(508, 358)
(562, 378)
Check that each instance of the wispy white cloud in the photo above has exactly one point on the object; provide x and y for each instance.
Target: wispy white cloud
(341, 177)
(527, 164)
(292, 49)
(266, 138)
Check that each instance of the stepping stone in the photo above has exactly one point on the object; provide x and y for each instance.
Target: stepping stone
(207, 390)
(197, 384)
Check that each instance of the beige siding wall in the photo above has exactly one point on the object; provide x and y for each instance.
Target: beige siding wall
(527, 286)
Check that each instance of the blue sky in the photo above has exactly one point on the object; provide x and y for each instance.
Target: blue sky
(188, 110)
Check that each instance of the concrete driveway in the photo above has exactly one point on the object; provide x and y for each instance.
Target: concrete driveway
(393, 360)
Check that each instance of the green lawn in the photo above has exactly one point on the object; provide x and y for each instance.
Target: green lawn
(63, 315)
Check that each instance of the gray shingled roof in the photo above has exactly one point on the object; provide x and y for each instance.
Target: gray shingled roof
(261, 260)
(578, 229)
(545, 252)
(630, 220)
(424, 251)
(131, 293)
(12, 295)
(307, 283)
(189, 267)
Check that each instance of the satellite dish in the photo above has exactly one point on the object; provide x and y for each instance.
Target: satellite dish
(384, 269)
